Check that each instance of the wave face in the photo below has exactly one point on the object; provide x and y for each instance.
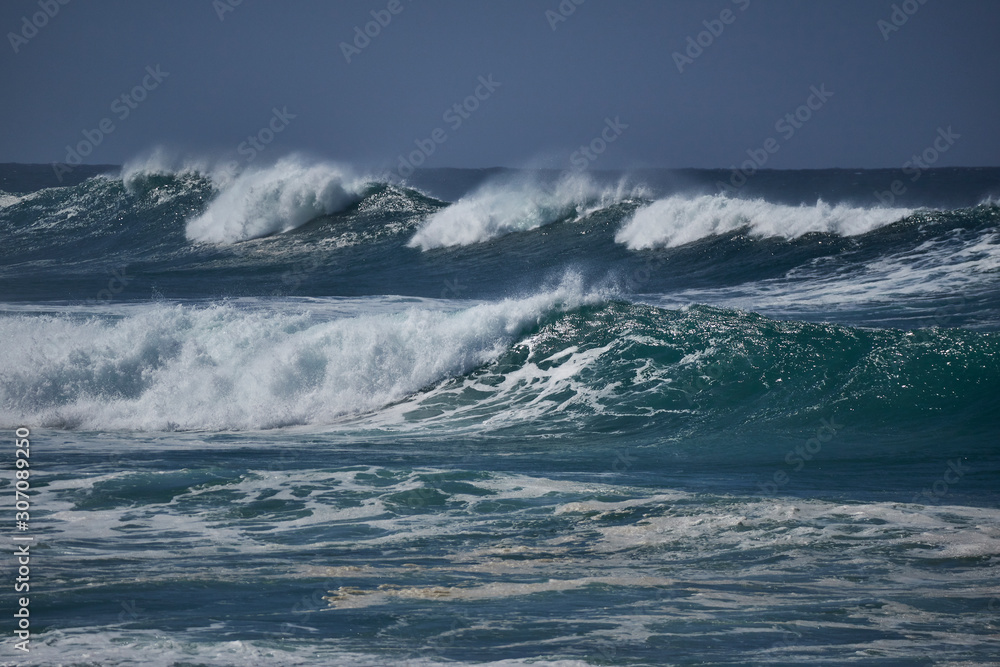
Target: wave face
(676, 221)
(561, 361)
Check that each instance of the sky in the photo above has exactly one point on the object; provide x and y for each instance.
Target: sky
(608, 84)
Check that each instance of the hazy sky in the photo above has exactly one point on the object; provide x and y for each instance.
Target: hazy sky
(559, 75)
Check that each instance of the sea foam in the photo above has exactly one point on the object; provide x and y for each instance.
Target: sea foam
(678, 220)
(227, 367)
(515, 205)
(269, 200)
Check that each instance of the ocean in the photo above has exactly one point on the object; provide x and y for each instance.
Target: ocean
(307, 414)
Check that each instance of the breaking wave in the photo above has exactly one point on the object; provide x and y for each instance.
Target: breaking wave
(271, 200)
(507, 206)
(678, 220)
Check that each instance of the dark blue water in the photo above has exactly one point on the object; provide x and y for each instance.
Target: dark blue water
(304, 415)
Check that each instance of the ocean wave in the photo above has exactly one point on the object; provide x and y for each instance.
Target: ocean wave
(516, 205)
(618, 366)
(166, 367)
(8, 199)
(279, 198)
(952, 258)
(679, 219)
(562, 360)
(160, 162)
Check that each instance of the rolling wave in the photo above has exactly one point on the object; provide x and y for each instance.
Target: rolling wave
(166, 367)
(947, 271)
(562, 360)
(678, 220)
(260, 202)
(515, 205)
(191, 230)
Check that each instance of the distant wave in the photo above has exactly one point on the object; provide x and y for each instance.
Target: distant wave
(515, 205)
(678, 220)
(932, 278)
(279, 198)
(7, 199)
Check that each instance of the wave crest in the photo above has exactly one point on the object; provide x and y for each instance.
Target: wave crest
(678, 220)
(223, 367)
(507, 206)
(264, 201)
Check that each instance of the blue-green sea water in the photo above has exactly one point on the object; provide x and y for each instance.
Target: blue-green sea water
(304, 415)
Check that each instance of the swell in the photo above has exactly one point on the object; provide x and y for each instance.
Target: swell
(153, 212)
(620, 366)
(313, 229)
(562, 361)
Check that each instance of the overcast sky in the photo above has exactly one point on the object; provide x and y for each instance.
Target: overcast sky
(558, 76)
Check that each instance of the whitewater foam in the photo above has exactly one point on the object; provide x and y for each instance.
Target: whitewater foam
(507, 206)
(275, 199)
(7, 199)
(678, 220)
(161, 162)
(954, 266)
(118, 647)
(167, 367)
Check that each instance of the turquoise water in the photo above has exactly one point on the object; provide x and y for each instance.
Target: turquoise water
(301, 417)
